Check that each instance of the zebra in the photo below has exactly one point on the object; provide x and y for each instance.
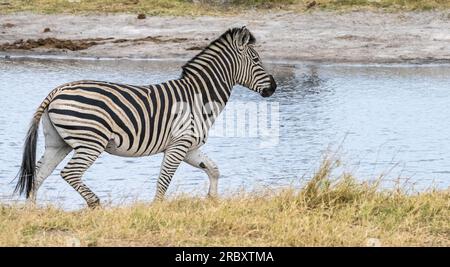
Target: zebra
(91, 117)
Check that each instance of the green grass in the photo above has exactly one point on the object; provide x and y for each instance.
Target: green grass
(217, 7)
(330, 210)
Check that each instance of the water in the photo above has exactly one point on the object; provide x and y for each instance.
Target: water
(382, 119)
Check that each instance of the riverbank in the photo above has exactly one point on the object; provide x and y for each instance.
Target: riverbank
(328, 211)
(282, 36)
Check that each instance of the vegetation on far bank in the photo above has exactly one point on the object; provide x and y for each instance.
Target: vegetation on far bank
(213, 7)
(329, 210)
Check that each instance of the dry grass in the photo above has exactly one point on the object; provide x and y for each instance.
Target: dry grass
(214, 7)
(328, 211)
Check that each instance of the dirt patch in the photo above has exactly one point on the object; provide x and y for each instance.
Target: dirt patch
(73, 45)
(8, 25)
(196, 47)
(81, 44)
(354, 37)
(158, 39)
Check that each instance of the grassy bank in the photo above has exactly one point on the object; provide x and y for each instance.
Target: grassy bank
(214, 7)
(327, 212)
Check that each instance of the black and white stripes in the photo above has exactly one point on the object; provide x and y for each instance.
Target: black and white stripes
(173, 117)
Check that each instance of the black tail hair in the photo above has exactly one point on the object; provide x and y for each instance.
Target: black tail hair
(27, 172)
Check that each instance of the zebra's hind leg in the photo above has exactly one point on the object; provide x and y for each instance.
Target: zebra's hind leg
(82, 159)
(45, 166)
(198, 159)
(55, 151)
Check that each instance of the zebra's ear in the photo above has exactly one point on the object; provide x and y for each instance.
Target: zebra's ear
(245, 37)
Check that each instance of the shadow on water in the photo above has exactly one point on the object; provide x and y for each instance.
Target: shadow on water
(311, 82)
(296, 81)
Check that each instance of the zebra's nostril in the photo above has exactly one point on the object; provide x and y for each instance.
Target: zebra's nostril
(267, 92)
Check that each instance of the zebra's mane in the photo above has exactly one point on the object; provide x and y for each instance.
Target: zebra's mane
(233, 32)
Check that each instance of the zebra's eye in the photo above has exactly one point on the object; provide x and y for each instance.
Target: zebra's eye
(256, 59)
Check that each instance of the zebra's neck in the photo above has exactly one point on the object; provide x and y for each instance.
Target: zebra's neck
(211, 93)
(212, 73)
(213, 88)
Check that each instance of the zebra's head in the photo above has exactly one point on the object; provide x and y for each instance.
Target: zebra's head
(251, 72)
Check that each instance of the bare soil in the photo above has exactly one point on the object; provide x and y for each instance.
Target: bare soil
(358, 37)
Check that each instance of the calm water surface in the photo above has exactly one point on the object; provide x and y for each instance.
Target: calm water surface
(381, 119)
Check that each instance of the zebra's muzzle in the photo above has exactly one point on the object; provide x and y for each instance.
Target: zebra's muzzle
(266, 92)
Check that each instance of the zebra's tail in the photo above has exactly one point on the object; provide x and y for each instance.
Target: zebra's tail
(27, 172)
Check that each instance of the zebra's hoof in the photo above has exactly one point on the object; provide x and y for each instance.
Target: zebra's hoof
(94, 205)
(31, 204)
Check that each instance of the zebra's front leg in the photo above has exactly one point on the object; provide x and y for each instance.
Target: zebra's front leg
(173, 156)
(199, 160)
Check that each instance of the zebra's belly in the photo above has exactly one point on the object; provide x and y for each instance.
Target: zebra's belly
(113, 148)
(121, 152)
